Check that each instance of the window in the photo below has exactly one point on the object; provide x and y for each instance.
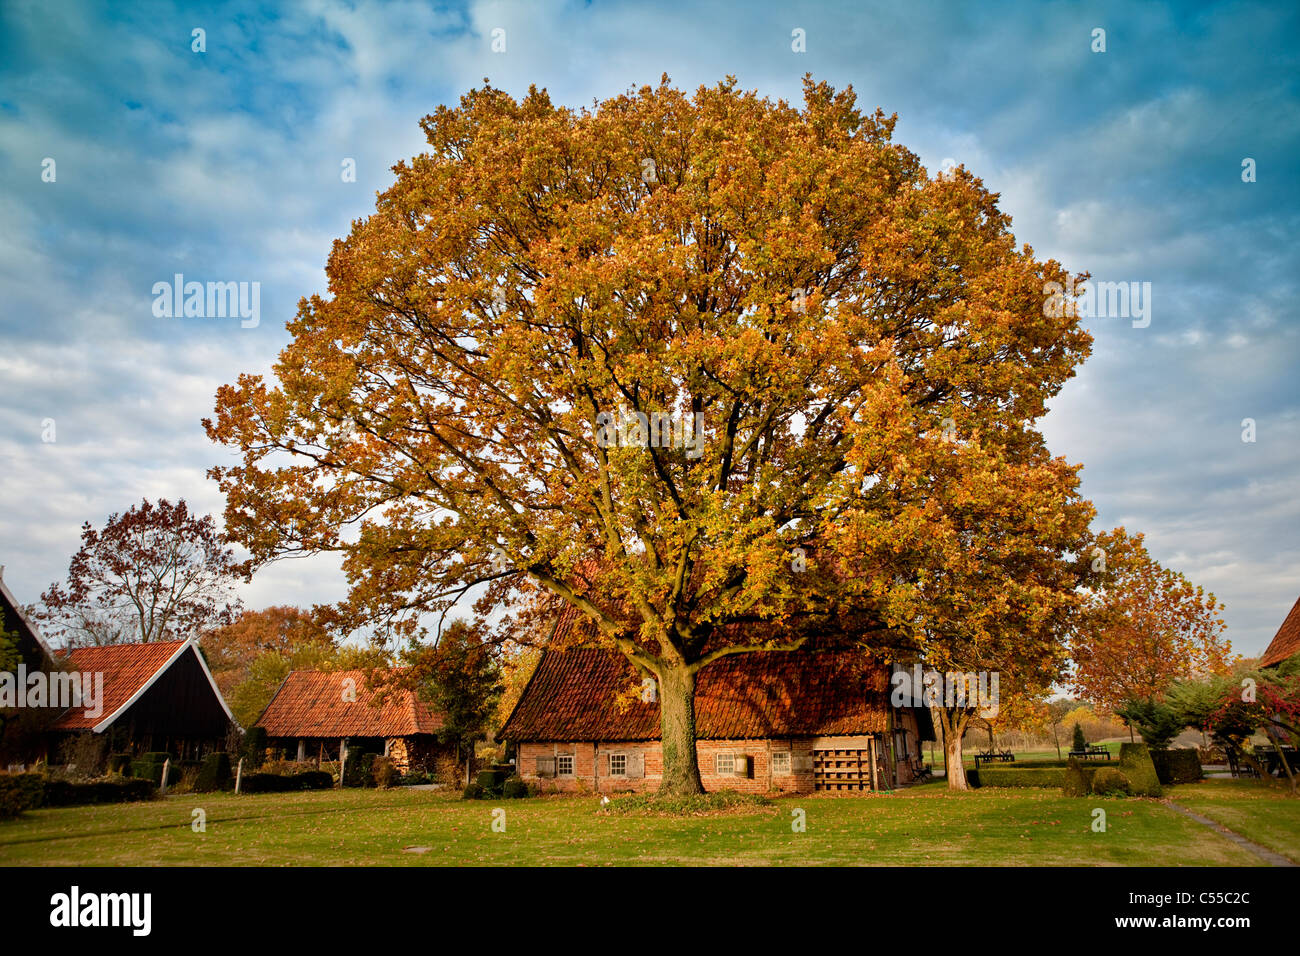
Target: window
(725, 765)
(781, 762)
(564, 765)
(618, 765)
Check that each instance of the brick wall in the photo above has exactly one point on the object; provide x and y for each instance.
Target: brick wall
(761, 778)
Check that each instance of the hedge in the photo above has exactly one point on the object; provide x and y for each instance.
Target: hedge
(1182, 765)
(1008, 776)
(283, 783)
(64, 793)
(19, 792)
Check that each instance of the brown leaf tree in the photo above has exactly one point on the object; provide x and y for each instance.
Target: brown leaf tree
(693, 365)
(155, 572)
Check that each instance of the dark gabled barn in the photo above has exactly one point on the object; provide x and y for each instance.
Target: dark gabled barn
(156, 697)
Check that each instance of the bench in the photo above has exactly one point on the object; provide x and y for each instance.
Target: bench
(1005, 756)
(1089, 753)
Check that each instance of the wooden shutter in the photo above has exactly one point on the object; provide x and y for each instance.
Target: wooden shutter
(636, 765)
(801, 761)
(546, 766)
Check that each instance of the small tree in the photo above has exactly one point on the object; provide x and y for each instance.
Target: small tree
(1158, 723)
(461, 677)
(1079, 743)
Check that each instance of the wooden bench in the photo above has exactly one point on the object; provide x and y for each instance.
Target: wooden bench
(1005, 756)
(1090, 752)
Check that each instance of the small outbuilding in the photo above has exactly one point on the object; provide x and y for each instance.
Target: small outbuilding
(158, 696)
(315, 713)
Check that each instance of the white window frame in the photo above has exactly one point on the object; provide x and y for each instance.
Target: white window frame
(730, 770)
(788, 769)
(618, 756)
(573, 765)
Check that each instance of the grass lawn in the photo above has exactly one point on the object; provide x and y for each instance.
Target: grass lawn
(922, 825)
(1262, 812)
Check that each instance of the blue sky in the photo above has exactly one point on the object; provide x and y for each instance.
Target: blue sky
(224, 165)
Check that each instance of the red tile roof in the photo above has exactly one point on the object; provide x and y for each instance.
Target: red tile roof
(585, 693)
(1287, 640)
(126, 669)
(312, 704)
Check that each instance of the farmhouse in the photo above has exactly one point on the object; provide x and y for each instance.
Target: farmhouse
(1286, 642)
(798, 721)
(148, 697)
(314, 713)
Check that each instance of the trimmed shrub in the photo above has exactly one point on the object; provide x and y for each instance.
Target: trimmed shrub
(1135, 761)
(492, 779)
(1076, 782)
(285, 783)
(214, 773)
(1011, 776)
(20, 792)
(515, 788)
(357, 769)
(65, 793)
(119, 764)
(474, 792)
(1109, 781)
(254, 748)
(1181, 765)
(1079, 742)
(384, 772)
(150, 767)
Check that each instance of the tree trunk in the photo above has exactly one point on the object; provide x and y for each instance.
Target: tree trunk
(954, 725)
(677, 732)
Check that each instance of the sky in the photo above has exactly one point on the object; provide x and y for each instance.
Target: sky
(220, 156)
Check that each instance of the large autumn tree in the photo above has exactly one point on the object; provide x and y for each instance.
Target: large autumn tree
(1144, 626)
(154, 572)
(839, 360)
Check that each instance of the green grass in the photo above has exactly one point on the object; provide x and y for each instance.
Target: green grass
(1261, 811)
(923, 825)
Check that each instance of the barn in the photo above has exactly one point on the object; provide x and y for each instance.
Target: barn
(767, 721)
(315, 713)
(158, 696)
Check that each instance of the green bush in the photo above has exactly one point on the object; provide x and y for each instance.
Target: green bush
(1135, 761)
(474, 791)
(1109, 781)
(1003, 775)
(120, 763)
(492, 779)
(150, 767)
(1079, 742)
(214, 773)
(515, 788)
(357, 769)
(65, 793)
(1182, 765)
(254, 750)
(20, 792)
(384, 772)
